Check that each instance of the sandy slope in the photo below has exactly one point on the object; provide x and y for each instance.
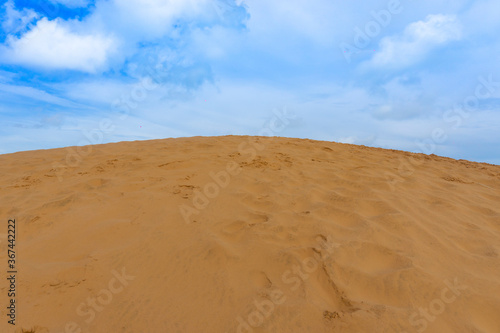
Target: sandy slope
(297, 236)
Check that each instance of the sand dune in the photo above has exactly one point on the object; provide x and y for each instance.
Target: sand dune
(247, 234)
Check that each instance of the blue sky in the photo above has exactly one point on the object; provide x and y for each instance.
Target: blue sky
(420, 76)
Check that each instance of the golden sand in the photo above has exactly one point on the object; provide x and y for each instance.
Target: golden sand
(247, 234)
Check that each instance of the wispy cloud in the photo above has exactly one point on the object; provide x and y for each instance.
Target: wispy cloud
(73, 3)
(416, 42)
(33, 94)
(15, 21)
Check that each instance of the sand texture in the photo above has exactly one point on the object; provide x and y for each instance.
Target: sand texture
(247, 234)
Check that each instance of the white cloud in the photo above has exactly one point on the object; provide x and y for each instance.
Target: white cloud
(52, 45)
(114, 30)
(417, 40)
(16, 21)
